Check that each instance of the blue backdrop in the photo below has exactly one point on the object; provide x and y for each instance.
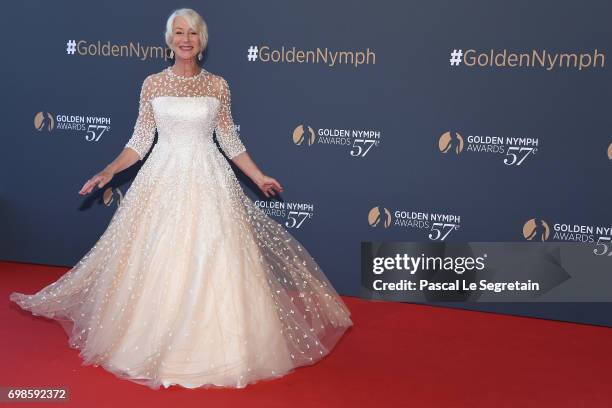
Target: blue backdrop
(380, 119)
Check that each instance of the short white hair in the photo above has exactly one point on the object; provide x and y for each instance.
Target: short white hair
(194, 20)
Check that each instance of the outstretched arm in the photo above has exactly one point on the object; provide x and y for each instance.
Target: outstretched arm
(136, 148)
(268, 185)
(232, 146)
(124, 160)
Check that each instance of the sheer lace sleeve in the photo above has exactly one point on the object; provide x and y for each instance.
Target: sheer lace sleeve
(228, 137)
(144, 129)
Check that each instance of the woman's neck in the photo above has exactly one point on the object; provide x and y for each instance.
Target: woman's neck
(186, 67)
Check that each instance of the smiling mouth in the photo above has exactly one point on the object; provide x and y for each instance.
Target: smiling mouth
(185, 48)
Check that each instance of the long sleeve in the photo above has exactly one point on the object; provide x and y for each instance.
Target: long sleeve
(227, 136)
(144, 129)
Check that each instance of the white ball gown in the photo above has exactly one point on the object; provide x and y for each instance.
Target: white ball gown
(191, 283)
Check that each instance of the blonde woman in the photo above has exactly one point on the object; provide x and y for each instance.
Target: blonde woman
(191, 283)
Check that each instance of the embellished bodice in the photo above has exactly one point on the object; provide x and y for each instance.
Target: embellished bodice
(185, 112)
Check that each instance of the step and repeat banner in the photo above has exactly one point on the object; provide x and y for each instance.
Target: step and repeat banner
(439, 122)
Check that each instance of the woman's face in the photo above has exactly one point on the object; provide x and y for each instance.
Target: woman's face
(185, 40)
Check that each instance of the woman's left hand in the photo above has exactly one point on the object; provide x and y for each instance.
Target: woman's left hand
(269, 186)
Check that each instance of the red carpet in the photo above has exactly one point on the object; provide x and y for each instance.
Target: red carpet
(396, 355)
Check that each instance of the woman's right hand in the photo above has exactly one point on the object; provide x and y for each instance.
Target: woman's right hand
(100, 179)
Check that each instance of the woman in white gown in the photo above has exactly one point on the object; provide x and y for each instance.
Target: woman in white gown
(191, 283)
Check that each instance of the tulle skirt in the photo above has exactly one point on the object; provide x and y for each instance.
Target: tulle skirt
(193, 284)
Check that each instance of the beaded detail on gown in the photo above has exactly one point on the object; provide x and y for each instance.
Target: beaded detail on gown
(191, 283)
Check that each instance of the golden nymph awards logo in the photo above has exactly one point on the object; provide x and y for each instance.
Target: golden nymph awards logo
(537, 229)
(359, 142)
(110, 195)
(438, 225)
(450, 142)
(379, 217)
(515, 150)
(294, 213)
(44, 121)
(93, 126)
(303, 135)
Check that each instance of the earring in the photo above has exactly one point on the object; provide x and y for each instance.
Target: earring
(171, 53)
(200, 56)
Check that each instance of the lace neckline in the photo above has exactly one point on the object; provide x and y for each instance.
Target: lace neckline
(182, 77)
